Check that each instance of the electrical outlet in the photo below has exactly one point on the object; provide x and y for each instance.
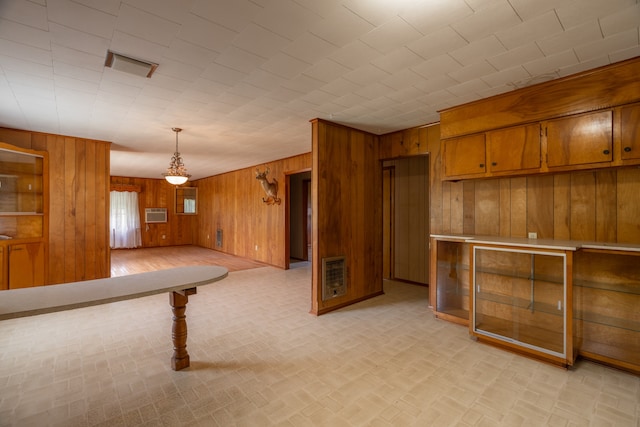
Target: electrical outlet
(533, 235)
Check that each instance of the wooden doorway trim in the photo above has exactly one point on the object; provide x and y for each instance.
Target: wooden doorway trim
(388, 219)
(287, 208)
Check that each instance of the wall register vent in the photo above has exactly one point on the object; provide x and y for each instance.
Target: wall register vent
(154, 215)
(334, 277)
(218, 238)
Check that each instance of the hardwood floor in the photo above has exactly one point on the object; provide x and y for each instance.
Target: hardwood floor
(131, 261)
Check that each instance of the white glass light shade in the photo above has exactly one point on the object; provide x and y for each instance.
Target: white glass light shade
(176, 179)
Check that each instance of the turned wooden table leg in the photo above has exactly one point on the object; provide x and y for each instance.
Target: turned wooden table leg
(178, 301)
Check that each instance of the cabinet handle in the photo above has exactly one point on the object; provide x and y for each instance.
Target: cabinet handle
(481, 165)
(627, 149)
(494, 164)
(605, 152)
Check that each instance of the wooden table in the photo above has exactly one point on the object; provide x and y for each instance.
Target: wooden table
(179, 282)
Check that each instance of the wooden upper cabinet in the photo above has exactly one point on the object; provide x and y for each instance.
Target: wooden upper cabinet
(630, 132)
(514, 149)
(580, 140)
(465, 156)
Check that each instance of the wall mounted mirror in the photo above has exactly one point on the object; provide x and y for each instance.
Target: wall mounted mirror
(186, 200)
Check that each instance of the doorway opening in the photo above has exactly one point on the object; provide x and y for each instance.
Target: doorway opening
(406, 219)
(298, 218)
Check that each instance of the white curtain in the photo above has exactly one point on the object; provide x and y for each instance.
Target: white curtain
(125, 220)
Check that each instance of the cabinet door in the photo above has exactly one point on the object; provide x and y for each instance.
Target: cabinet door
(580, 140)
(26, 265)
(630, 132)
(465, 156)
(514, 149)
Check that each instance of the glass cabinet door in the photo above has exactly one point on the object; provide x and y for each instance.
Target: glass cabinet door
(520, 297)
(20, 183)
(452, 293)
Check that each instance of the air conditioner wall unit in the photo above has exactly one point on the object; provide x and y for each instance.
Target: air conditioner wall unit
(155, 215)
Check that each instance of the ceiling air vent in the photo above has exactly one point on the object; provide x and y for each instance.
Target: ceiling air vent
(334, 278)
(129, 65)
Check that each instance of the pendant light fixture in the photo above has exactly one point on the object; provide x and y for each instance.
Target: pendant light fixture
(176, 173)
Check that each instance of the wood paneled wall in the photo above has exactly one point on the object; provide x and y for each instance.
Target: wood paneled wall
(346, 188)
(78, 241)
(232, 203)
(158, 193)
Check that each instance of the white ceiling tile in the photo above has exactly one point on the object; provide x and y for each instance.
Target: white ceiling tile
(177, 70)
(109, 6)
(285, 65)
(264, 79)
(584, 66)
(326, 70)
(402, 79)
(437, 66)
(309, 48)
(235, 15)
(340, 86)
(146, 26)
(431, 16)
(469, 88)
(435, 84)
(136, 47)
(26, 53)
(77, 40)
(205, 33)
(397, 60)
(239, 59)
(260, 41)
(600, 48)
(541, 26)
(475, 51)
(528, 9)
(65, 82)
(354, 54)
(303, 83)
(472, 72)
(578, 12)
(77, 73)
(393, 33)
(623, 54)
(438, 42)
(621, 20)
(25, 83)
(81, 18)
(515, 57)
(373, 91)
(175, 11)
(585, 33)
(374, 11)
(189, 53)
(276, 16)
(551, 63)
(507, 77)
(24, 34)
(25, 12)
(78, 59)
(368, 74)
(124, 91)
(25, 67)
(341, 27)
(498, 16)
(221, 74)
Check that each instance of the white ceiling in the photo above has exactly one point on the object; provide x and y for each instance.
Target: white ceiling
(244, 77)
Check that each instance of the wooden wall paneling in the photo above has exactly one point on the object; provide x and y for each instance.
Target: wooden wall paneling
(562, 206)
(519, 207)
(445, 212)
(102, 203)
(504, 218)
(540, 206)
(70, 209)
(402, 226)
(605, 200)
(468, 206)
(628, 205)
(487, 207)
(436, 187)
(80, 210)
(583, 206)
(57, 210)
(19, 138)
(457, 207)
(91, 217)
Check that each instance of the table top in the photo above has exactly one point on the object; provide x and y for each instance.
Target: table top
(47, 299)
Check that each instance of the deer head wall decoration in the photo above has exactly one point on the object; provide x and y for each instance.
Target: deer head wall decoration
(270, 188)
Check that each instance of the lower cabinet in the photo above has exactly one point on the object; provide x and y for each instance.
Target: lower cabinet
(22, 265)
(450, 275)
(521, 299)
(607, 307)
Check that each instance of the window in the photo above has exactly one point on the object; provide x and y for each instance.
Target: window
(125, 220)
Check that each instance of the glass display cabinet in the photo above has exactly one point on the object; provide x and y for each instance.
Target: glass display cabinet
(186, 200)
(450, 279)
(607, 307)
(521, 300)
